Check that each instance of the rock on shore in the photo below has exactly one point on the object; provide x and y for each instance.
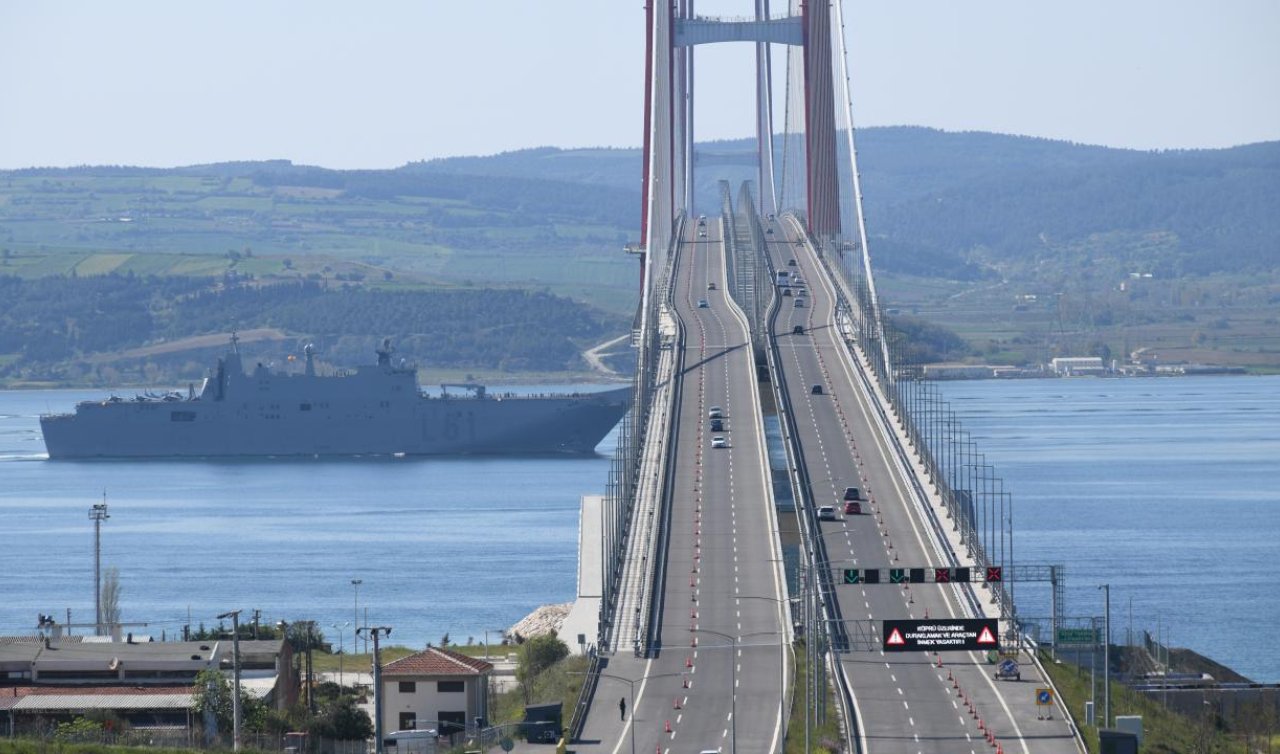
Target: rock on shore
(543, 620)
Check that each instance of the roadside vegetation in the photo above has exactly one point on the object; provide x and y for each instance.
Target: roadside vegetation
(824, 738)
(1165, 731)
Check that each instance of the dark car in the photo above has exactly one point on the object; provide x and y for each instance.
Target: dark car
(797, 330)
(717, 425)
(852, 493)
(791, 262)
(816, 389)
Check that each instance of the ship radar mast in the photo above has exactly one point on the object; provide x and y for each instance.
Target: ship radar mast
(384, 353)
(310, 350)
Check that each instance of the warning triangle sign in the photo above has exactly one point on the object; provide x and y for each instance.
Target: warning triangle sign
(985, 637)
(895, 639)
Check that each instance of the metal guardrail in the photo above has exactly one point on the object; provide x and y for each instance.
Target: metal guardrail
(815, 548)
(585, 694)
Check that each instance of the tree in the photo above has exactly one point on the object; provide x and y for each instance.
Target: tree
(536, 655)
(213, 700)
(340, 719)
(111, 596)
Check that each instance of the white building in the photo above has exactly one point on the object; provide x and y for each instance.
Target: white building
(1078, 365)
(435, 689)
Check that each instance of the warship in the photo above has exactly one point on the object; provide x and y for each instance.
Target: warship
(373, 410)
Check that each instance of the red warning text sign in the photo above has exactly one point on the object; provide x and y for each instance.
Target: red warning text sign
(936, 635)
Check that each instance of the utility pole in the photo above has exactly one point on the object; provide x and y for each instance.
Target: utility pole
(1106, 655)
(375, 632)
(234, 615)
(98, 514)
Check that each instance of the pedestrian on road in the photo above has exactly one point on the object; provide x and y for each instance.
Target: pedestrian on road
(622, 708)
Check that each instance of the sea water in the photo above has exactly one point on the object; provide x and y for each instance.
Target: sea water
(452, 546)
(1165, 489)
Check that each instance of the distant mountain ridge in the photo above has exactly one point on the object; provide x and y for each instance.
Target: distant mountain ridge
(932, 197)
(940, 203)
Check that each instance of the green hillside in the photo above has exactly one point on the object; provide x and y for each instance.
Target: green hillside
(1028, 248)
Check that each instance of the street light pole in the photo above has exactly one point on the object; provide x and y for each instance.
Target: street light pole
(355, 610)
(733, 675)
(376, 631)
(341, 648)
(234, 615)
(98, 514)
(1106, 655)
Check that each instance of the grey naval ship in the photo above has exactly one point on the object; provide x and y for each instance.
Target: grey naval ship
(372, 410)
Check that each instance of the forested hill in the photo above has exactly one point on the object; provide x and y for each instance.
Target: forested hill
(943, 202)
(113, 329)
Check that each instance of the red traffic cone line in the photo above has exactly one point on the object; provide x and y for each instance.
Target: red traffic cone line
(676, 705)
(666, 728)
(688, 662)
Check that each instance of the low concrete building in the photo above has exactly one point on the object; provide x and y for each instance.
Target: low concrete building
(1075, 366)
(148, 684)
(435, 689)
(958, 371)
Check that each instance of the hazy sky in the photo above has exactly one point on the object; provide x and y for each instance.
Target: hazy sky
(377, 84)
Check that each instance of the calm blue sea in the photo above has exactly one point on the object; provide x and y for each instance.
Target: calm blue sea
(1164, 488)
(452, 546)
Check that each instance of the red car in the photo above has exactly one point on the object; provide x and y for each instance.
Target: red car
(852, 507)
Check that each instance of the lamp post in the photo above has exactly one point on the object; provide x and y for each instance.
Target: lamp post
(355, 611)
(341, 627)
(376, 631)
(98, 514)
(733, 678)
(1106, 654)
(782, 641)
(234, 615)
(631, 695)
(487, 631)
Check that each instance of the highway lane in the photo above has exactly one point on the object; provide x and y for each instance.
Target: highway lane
(906, 702)
(724, 652)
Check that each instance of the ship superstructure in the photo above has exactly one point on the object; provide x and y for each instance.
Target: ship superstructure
(375, 409)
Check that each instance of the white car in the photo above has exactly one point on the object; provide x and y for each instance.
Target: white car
(827, 513)
(715, 412)
(718, 442)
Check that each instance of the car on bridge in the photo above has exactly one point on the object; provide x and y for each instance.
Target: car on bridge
(702, 303)
(827, 513)
(799, 303)
(719, 442)
(797, 330)
(852, 493)
(711, 286)
(717, 425)
(786, 291)
(792, 262)
(852, 508)
(715, 412)
(816, 389)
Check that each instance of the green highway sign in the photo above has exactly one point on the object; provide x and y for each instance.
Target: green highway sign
(1078, 636)
(852, 576)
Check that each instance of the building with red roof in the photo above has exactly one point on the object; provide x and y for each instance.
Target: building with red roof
(435, 689)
